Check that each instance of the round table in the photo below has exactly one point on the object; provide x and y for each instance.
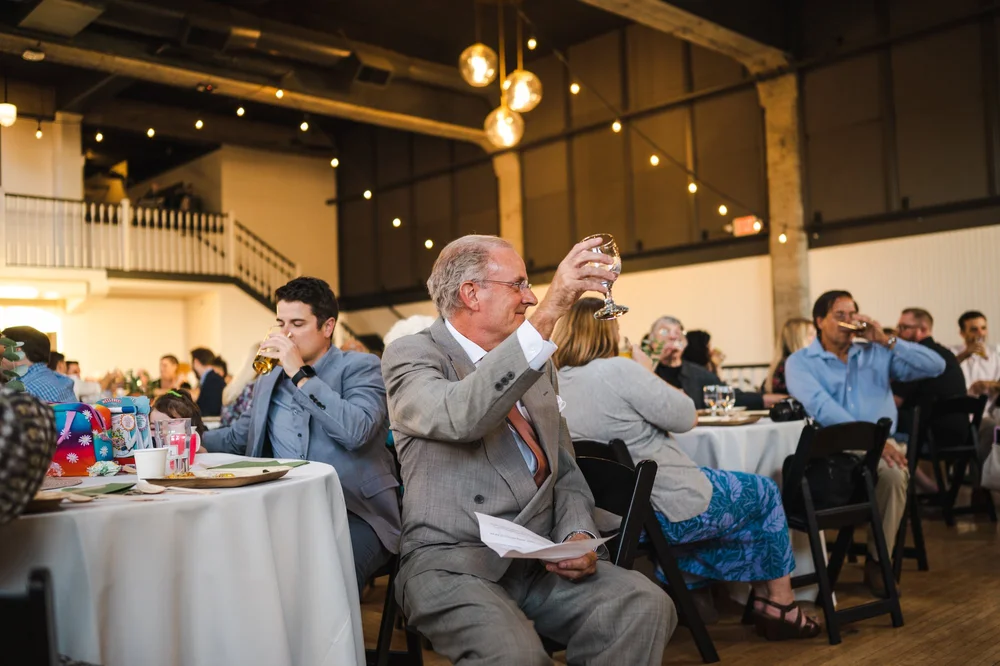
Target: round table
(257, 575)
(758, 448)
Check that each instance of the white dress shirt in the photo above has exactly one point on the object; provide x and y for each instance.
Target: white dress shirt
(977, 368)
(537, 351)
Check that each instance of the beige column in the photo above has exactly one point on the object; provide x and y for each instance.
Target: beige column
(67, 155)
(783, 138)
(508, 170)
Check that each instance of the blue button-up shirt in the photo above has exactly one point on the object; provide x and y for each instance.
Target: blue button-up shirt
(48, 385)
(836, 392)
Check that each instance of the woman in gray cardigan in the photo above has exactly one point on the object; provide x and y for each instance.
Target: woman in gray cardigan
(734, 521)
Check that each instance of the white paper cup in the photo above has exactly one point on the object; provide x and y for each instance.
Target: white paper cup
(151, 463)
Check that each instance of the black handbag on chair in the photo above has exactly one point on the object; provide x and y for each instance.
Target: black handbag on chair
(832, 479)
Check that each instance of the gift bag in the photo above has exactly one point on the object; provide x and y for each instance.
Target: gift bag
(83, 438)
(129, 426)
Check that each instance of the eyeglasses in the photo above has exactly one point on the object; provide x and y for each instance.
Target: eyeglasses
(520, 285)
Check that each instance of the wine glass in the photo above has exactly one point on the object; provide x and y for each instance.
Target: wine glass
(611, 310)
(711, 396)
(726, 398)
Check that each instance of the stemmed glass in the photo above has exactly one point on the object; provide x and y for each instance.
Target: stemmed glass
(711, 396)
(726, 398)
(611, 310)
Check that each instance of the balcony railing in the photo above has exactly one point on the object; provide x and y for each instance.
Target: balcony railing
(62, 233)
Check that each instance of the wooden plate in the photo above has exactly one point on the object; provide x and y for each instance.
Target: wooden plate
(714, 421)
(43, 502)
(227, 482)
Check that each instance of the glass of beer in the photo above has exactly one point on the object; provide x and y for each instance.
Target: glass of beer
(265, 364)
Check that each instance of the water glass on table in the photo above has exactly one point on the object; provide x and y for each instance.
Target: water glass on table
(726, 398)
(711, 396)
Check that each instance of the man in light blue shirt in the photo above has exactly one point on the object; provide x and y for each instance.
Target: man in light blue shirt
(845, 375)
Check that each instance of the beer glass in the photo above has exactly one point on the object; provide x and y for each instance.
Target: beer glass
(265, 364)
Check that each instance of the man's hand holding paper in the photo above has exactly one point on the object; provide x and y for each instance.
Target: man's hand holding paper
(572, 559)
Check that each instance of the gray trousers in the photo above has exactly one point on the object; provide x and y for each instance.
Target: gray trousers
(890, 495)
(369, 553)
(615, 617)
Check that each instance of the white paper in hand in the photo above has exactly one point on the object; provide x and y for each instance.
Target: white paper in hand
(509, 539)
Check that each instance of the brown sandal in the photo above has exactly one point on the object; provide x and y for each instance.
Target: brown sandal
(777, 629)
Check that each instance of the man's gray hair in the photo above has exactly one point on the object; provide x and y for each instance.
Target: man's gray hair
(666, 319)
(466, 259)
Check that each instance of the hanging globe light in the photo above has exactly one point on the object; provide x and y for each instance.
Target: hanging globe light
(504, 127)
(524, 90)
(8, 114)
(478, 65)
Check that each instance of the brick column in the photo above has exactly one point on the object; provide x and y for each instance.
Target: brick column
(507, 168)
(789, 260)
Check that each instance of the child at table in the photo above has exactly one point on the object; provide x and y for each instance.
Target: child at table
(178, 404)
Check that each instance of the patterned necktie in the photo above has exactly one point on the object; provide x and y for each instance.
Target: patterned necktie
(527, 433)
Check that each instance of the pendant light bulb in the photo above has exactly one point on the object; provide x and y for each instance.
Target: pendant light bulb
(504, 128)
(478, 65)
(524, 91)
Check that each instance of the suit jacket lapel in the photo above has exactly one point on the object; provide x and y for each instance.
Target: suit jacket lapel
(260, 405)
(501, 448)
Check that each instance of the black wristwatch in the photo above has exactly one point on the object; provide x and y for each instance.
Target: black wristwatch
(304, 372)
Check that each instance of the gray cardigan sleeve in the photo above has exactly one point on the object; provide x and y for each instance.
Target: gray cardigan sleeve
(654, 399)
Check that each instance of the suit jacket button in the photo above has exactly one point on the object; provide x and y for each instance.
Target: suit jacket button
(498, 386)
(510, 375)
(479, 499)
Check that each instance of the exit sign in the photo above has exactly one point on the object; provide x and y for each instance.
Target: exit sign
(747, 225)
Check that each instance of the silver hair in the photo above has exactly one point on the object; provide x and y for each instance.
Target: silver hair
(465, 259)
(666, 319)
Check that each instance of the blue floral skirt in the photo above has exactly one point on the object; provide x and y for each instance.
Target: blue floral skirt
(742, 536)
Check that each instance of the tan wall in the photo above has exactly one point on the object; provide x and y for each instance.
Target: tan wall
(282, 199)
(204, 173)
(48, 167)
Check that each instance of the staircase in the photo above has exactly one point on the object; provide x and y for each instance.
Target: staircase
(139, 242)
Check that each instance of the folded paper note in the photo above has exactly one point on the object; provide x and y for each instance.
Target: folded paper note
(508, 539)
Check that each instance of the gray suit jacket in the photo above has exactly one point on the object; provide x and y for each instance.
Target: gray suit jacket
(458, 456)
(344, 413)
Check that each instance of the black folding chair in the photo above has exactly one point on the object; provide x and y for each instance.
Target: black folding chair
(383, 654)
(623, 491)
(816, 444)
(951, 460)
(27, 623)
(660, 552)
(911, 514)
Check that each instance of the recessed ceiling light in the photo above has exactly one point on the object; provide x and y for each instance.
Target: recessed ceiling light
(33, 55)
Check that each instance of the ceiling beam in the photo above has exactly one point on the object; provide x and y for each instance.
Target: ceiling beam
(177, 123)
(80, 95)
(396, 107)
(756, 56)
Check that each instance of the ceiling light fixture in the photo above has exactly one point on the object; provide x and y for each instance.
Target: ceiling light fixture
(616, 127)
(38, 130)
(692, 187)
(574, 88)
(304, 126)
(150, 132)
(397, 222)
(240, 111)
(654, 159)
(478, 65)
(532, 43)
(428, 243)
(367, 194)
(33, 55)
(98, 137)
(279, 93)
(198, 124)
(782, 238)
(722, 209)
(335, 162)
(8, 111)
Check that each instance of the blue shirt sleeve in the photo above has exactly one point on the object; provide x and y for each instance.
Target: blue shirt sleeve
(806, 388)
(911, 361)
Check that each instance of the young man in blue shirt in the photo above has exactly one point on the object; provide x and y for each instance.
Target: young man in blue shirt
(845, 375)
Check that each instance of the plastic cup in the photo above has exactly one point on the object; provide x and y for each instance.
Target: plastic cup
(151, 463)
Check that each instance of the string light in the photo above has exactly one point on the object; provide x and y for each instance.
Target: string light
(723, 210)
(98, 137)
(757, 226)
(198, 124)
(428, 243)
(616, 127)
(532, 43)
(150, 132)
(574, 87)
(279, 93)
(367, 194)
(782, 238)
(335, 162)
(240, 111)
(38, 131)
(304, 126)
(692, 187)
(654, 160)
(397, 222)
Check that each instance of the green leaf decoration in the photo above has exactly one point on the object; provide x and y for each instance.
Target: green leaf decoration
(11, 354)
(7, 342)
(15, 385)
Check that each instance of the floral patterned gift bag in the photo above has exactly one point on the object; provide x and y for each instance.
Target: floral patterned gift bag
(83, 438)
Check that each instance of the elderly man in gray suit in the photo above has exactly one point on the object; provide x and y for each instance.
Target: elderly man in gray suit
(475, 413)
(325, 405)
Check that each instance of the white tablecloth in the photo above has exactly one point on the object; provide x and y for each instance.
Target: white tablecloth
(256, 575)
(759, 448)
